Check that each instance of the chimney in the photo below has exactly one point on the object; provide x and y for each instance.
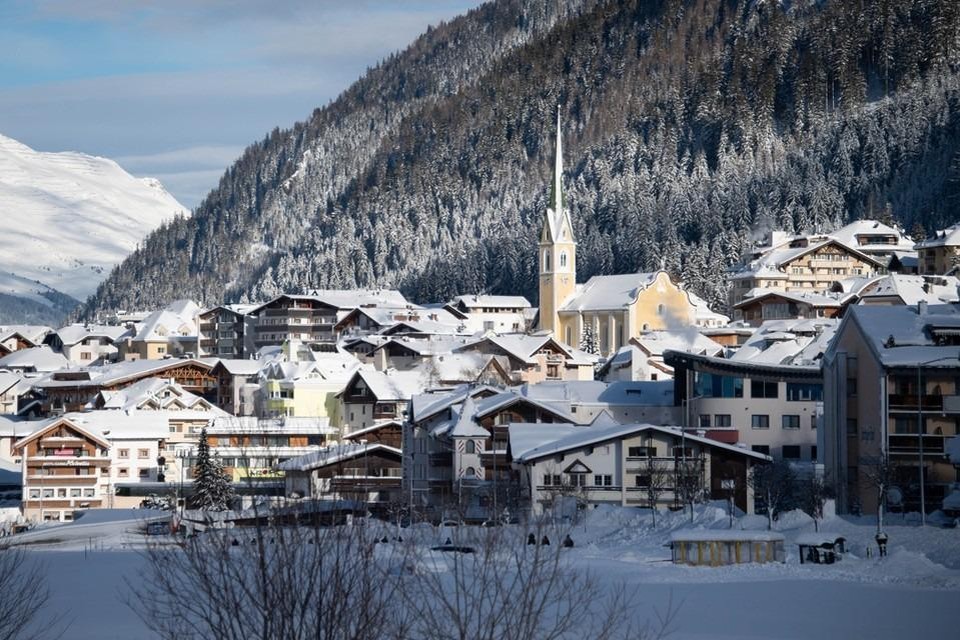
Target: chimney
(922, 307)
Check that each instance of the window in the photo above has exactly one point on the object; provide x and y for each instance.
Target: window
(86, 355)
(470, 473)
(791, 422)
(704, 420)
(851, 387)
(791, 452)
(144, 473)
(74, 493)
(61, 493)
(123, 453)
(761, 448)
(813, 453)
(34, 494)
(641, 481)
(143, 454)
(813, 421)
(563, 259)
(760, 421)
(851, 426)
(48, 493)
(722, 420)
(709, 385)
(471, 446)
(546, 260)
(578, 479)
(122, 472)
(161, 349)
(804, 392)
(641, 452)
(763, 389)
(603, 480)
(88, 493)
(661, 309)
(551, 480)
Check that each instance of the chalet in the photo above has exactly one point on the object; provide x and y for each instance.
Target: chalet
(71, 390)
(66, 467)
(237, 385)
(611, 463)
(642, 358)
(87, 344)
(16, 337)
(388, 433)
(770, 304)
(535, 358)
(498, 314)
(370, 473)
(378, 396)
(169, 332)
(940, 253)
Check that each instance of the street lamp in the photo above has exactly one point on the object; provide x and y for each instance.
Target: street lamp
(921, 430)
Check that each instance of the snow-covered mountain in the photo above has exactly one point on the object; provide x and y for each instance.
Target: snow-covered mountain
(23, 300)
(68, 218)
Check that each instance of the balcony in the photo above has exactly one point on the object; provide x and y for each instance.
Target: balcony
(907, 444)
(908, 402)
(85, 479)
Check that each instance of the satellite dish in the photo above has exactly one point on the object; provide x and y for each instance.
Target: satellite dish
(894, 496)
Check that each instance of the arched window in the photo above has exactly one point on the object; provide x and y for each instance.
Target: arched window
(660, 309)
(470, 473)
(471, 447)
(546, 260)
(569, 335)
(646, 327)
(563, 259)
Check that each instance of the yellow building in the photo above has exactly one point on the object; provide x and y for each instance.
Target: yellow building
(615, 307)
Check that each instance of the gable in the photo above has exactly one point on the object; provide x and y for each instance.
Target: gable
(577, 467)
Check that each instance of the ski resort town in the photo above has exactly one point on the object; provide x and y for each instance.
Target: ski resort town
(839, 357)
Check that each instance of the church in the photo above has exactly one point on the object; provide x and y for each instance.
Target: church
(616, 307)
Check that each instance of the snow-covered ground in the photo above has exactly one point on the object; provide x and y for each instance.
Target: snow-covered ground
(71, 217)
(911, 593)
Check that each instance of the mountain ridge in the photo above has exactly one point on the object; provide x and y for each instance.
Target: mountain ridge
(690, 125)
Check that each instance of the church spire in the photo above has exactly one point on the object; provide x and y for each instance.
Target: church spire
(556, 189)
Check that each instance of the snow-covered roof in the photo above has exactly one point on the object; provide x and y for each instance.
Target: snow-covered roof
(157, 394)
(814, 299)
(527, 436)
(42, 359)
(586, 436)
(654, 343)
(123, 425)
(425, 405)
(800, 342)
(480, 302)
(911, 289)
(863, 233)
(391, 384)
(34, 333)
(464, 426)
(303, 425)
(902, 336)
(655, 393)
(949, 237)
(164, 325)
(601, 293)
(772, 263)
(724, 535)
(118, 372)
(335, 454)
(238, 367)
(75, 333)
(524, 348)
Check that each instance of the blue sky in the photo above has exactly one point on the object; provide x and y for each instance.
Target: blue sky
(175, 89)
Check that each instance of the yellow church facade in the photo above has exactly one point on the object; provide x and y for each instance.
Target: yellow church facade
(615, 307)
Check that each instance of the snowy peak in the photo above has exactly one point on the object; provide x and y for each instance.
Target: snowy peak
(71, 217)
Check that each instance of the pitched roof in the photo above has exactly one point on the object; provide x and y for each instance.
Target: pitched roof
(334, 454)
(949, 237)
(480, 302)
(41, 359)
(601, 293)
(74, 333)
(586, 436)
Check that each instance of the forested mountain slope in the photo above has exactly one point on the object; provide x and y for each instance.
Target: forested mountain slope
(690, 127)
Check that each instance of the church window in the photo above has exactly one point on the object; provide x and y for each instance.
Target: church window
(546, 260)
(660, 309)
(563, 259)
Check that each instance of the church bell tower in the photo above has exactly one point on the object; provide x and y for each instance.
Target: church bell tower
(557, 255)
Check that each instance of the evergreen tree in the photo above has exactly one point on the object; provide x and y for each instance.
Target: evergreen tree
(211, 486)
(588, 341)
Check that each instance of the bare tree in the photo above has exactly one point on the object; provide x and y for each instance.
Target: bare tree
(688, 482)
(509, 590)
(276, 580)
(23, 596)
(775, 484)
(880, 475)
(658, 477)
(813, 492)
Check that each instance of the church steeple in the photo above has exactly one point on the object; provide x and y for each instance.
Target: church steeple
(556, 188)
(557, 254)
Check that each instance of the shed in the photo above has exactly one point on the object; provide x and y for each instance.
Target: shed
(821, 548)
(715, 547)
